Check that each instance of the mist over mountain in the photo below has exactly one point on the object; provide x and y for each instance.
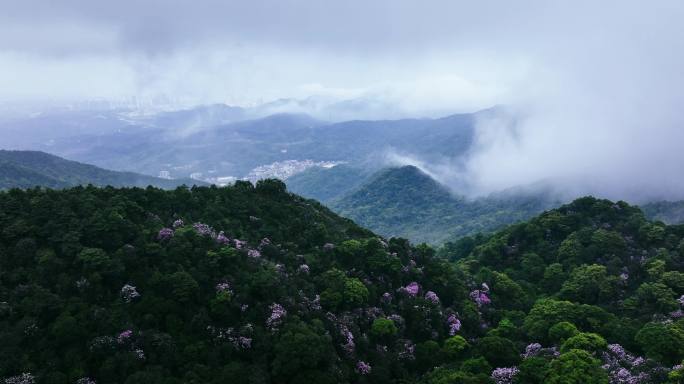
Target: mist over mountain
(28, 169)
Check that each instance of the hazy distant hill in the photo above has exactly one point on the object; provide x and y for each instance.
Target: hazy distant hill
(224, 141)
(408, 203)
(327, 184)
(25, 169)
(669, 212)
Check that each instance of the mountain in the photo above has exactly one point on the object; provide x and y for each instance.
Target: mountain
(327, 184)
(669, 212)
(408, 203)
(221, 141)
(249, 284)
(25, 169)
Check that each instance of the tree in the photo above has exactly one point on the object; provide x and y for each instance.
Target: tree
(664, 342)
(589, 284)
(532, 370)
(355, 293)
(544, 314)
(301, 349)
(590, 342)
(576, 367)
(498, 351)
(383, 329)
(652, 298)
(454, 347)
(562, 331)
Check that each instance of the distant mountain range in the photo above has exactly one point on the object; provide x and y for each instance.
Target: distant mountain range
(26, 169)
(219, 141)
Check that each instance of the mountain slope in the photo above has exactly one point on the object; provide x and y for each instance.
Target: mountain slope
(326, 184)
(250, 284)
(24, 169)
(408, 203)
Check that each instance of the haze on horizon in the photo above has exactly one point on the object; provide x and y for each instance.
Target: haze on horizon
(592, 91)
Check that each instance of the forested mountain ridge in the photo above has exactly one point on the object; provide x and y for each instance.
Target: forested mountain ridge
(406, 202)
(251, 284)
(26, 169)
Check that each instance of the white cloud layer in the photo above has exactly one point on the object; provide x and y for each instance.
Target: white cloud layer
(594, 89)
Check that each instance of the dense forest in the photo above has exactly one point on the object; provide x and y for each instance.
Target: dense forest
(252, 284)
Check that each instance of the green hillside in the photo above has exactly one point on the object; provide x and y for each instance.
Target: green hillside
(408, 203)
(252, 284)
(25, 169)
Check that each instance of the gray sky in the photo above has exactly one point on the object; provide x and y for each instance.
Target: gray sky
(597, 86)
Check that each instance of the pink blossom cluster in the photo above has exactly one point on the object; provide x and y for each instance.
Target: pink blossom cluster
(412, 289)
(480, 297)
(178, 223)
(531, 350)
(24, 378)
(363, 368)
(129, 293)
(432, 297)
(504, 375)
(222, 239)
(453, 323)
(304, 269)
(204, 230)
(124, 336)
(277, 316)
(625, 368)
(165, 234)
(254, 254)
(239, 244)
(348, 338)
(243, 342)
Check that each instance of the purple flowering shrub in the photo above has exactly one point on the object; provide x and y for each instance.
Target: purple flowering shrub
(363, 368)
(504, 375)
(165, 234)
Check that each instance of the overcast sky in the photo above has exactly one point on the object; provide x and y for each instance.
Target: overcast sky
(596, 86)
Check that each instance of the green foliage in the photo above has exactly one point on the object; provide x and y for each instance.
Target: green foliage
(576, 367)
(533, 370)
(664, 342)
(88, 287)
(562, 331)
(383, 328)
(499, 351)
(587, 341)
(454, 347)
(589, 284)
